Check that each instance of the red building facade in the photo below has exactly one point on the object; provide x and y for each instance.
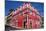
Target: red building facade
(25, 17)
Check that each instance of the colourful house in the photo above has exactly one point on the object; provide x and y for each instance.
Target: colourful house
(25, 17)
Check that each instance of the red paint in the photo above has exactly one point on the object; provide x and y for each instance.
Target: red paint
(20, 20)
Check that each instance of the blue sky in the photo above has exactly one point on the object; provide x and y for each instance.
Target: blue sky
(16, 4)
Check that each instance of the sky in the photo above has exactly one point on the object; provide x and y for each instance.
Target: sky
(16, 4)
